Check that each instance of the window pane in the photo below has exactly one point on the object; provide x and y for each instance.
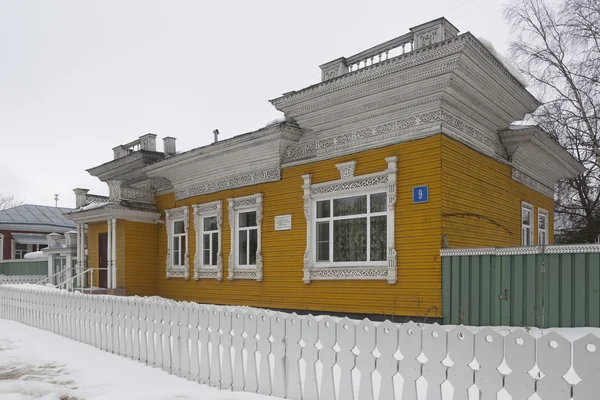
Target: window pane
(323, 209)
(247, 219)
(542, 221)
(243, 248)
(378, 202)
(176, 243)
(182, 250)
(178, 227)
(206, 258)
(176, 257)
(253, 246)
(206, 248)
(350, 206)
(215, 247)
(378, 238)
(323, 241)
(526, 216)
(350, 240)
(210, 224)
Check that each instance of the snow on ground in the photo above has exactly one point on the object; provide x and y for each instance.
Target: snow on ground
(35, 364)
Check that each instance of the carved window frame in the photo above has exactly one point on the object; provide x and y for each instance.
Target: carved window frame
(1, 247)
(173, 215)
(542, 212)
(528, 207)
(347, 185)
(201, 211)
(236, 206)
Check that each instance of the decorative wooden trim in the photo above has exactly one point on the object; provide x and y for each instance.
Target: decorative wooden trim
(253, 202)
(211, 209)
(177, 214)
(507, 251)
(385, 179)
(269, 175)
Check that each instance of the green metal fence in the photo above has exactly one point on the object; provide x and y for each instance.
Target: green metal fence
(546, 286)
(24, 267)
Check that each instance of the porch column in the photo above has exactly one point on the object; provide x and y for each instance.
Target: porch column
(78, 263)
(69, 282)
(82, 261)
(114, 254)
(50, 268)
(108, 256)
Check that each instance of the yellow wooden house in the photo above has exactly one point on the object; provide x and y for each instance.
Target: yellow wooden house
(400, 150)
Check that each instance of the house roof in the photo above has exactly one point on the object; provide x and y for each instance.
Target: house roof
(31, 217)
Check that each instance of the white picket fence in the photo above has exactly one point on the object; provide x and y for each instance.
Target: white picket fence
(21, 278)
(296, 357)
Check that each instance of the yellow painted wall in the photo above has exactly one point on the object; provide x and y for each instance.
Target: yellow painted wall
(418, 232)
(481, 203)
(140, 258)
(121, 262)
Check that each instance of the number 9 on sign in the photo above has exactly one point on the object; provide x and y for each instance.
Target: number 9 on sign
(420, 194)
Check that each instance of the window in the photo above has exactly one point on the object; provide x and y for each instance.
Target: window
(19, 251)
(208, 222)
(245, 217)
(350, 225)
(177, 235)
(1, 247)
(350, 229)
(542, 227)
(526, 224)
(179, 245)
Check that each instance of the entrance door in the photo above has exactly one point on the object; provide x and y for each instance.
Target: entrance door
(103, 260)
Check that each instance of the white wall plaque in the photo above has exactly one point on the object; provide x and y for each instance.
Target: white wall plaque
(283, 222)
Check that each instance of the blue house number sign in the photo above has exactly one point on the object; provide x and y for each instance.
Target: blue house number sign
(420, 194)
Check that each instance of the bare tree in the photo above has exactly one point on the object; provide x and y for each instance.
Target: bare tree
(557, 47)
(9, 201)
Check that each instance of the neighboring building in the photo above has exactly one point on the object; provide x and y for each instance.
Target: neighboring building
(23, 229)
(344, 206)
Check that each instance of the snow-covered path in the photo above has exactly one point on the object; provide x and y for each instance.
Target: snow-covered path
(35, 364)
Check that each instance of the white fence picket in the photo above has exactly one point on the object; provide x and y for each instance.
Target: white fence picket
(238, 348)
(204, 318)
(293, 329)
(435, 349)
(461, 349)
(310, 354)
(226, 345)
(410, 340)
(194, 340)
(184, 323)
(489, 347)
(346, 336)
(255, 351)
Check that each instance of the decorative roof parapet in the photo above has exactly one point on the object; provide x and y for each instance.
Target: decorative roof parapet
(419, 36)
(118, 192)
(506, 251)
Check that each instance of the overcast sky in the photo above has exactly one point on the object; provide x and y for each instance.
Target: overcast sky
(78, 78)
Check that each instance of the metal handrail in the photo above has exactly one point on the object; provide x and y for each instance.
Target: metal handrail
(70, 280)
(47, 279)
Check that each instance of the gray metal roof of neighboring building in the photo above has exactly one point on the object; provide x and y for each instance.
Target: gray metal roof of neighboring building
(31, 216)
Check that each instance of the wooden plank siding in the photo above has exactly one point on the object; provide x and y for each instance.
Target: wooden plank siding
(141, 257)
(481, 203)
(418, 239)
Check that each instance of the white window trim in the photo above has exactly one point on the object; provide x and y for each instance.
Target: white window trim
(201, 211)
(543, 212)
(531, 220)
(177, 214)
(245, 204)
(349, 185)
